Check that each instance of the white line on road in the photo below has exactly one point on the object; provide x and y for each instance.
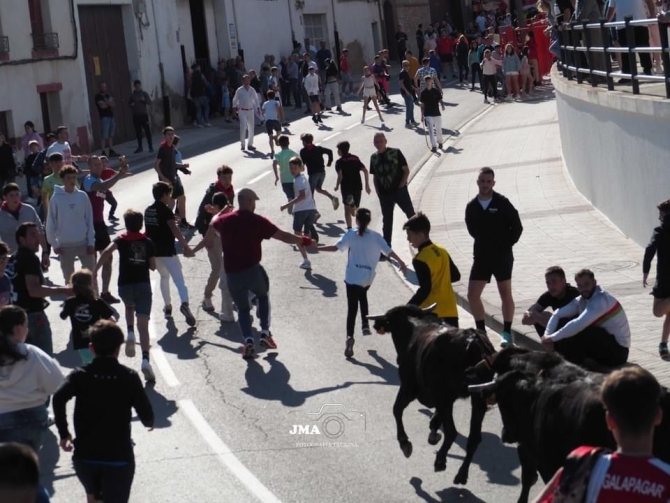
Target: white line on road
(159, 358)
(331, 136)
(352, 126)
(254, 180)
(225, 455)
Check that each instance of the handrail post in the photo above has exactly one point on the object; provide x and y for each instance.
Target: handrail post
(564, 53)
(575, 53)
(589, 57)
(605, 36)
(632, 57)
(665, 57)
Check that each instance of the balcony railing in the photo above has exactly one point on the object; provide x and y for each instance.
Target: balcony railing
(4, 45)
(586, 50)
(45, 41)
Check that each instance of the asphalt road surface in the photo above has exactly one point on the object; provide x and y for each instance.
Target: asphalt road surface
(223, 428)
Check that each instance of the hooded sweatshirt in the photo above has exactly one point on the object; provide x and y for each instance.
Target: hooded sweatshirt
(70, 219)
(659, 245)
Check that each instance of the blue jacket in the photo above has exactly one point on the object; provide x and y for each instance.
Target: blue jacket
(436, 64)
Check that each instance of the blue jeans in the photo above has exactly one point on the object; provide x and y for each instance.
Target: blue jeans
(256, 281)
(24, 426)
(39, 332)
(201, 109)
(409, 108)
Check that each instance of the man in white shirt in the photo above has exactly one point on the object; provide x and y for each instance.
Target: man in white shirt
(312, 87)
(599, 332)
(245, 103)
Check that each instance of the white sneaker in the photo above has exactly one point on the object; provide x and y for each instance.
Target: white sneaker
(306, 264)
(227, 318)
(130, 345)
(207, 304)
(336, 203)
(148, 371)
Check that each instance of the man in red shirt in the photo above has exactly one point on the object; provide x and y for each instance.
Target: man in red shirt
(631, 398)
(345, 74)
(242, 232)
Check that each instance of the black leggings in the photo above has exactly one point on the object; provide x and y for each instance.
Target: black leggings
(356, 295)
(490, 83)
(111, 200)
(475, 72)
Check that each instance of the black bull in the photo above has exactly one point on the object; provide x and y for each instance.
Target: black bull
(550, 407)
(432, 363)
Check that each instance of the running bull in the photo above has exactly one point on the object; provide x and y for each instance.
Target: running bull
(550, 407)
(432, 360)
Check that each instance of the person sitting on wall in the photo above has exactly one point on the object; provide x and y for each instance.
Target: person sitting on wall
(559, 294)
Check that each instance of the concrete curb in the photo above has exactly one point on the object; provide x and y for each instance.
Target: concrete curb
(493, 317)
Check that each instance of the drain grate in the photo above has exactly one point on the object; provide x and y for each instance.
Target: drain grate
(616, 265)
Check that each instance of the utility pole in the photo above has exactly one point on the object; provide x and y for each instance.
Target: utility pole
(337, 35)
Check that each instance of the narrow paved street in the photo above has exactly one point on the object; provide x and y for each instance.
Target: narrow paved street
(223, 424)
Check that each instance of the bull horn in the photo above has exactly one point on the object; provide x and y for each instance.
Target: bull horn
(479, 388)
(430, 308)
(375, 317)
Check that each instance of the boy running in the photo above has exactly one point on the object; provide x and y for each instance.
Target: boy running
(348, 168)
(304, 209)
(281, 168)
(435, 271)
(659, 245)
(84, 309)
(312, 158)
(105, 392)
(273, 114)
(162, 230)
(137, 256)
(108, 173)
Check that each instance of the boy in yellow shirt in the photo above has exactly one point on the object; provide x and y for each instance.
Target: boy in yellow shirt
(435, 271)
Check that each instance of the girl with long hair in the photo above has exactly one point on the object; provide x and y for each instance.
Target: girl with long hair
(364, 247)
(369, 88)
(28, 377)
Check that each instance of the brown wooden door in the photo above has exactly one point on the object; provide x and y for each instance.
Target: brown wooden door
(106, 60)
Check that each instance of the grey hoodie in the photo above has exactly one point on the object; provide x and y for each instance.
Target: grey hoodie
(70, 219)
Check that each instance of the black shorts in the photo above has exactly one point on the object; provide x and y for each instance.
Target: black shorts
(351, 197)
(661, 291)
(272, 126)
(499, 267)
(177, 188)
(106, 482)
(102, 239)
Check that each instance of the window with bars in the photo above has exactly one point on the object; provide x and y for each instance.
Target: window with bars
(316, 28)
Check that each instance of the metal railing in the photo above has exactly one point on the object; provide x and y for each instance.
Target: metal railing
(4, 45)
(575, 40)
(45, 41)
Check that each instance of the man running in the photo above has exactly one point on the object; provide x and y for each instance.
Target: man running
(97, 189)
(166, 166)
(349, 168)
(495, 225)
(242, 232)
(162, 230)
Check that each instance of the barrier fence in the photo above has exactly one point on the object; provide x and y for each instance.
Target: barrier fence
(586, 50)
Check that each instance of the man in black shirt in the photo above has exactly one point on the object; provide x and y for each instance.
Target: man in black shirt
(348, 168)
(390, 172)
(559, 294)
(166, 167)
(28, 291)
(198, 91)
(408, 93)
(494, 224)
(401, 42)
(419, 40)
(105, 392)
(105, 104)
(162, 230)
(430, 101)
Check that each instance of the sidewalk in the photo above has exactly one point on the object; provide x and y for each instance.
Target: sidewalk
(521, 142)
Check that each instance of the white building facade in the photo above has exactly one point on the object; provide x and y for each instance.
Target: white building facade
(55, 53)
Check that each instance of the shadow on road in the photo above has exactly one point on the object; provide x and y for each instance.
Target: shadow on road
(449, 494)
(180, 345)
(493, 457)
(274, 384)
(49, 457)
(163, 407)
(386, 370)
(327, 286)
